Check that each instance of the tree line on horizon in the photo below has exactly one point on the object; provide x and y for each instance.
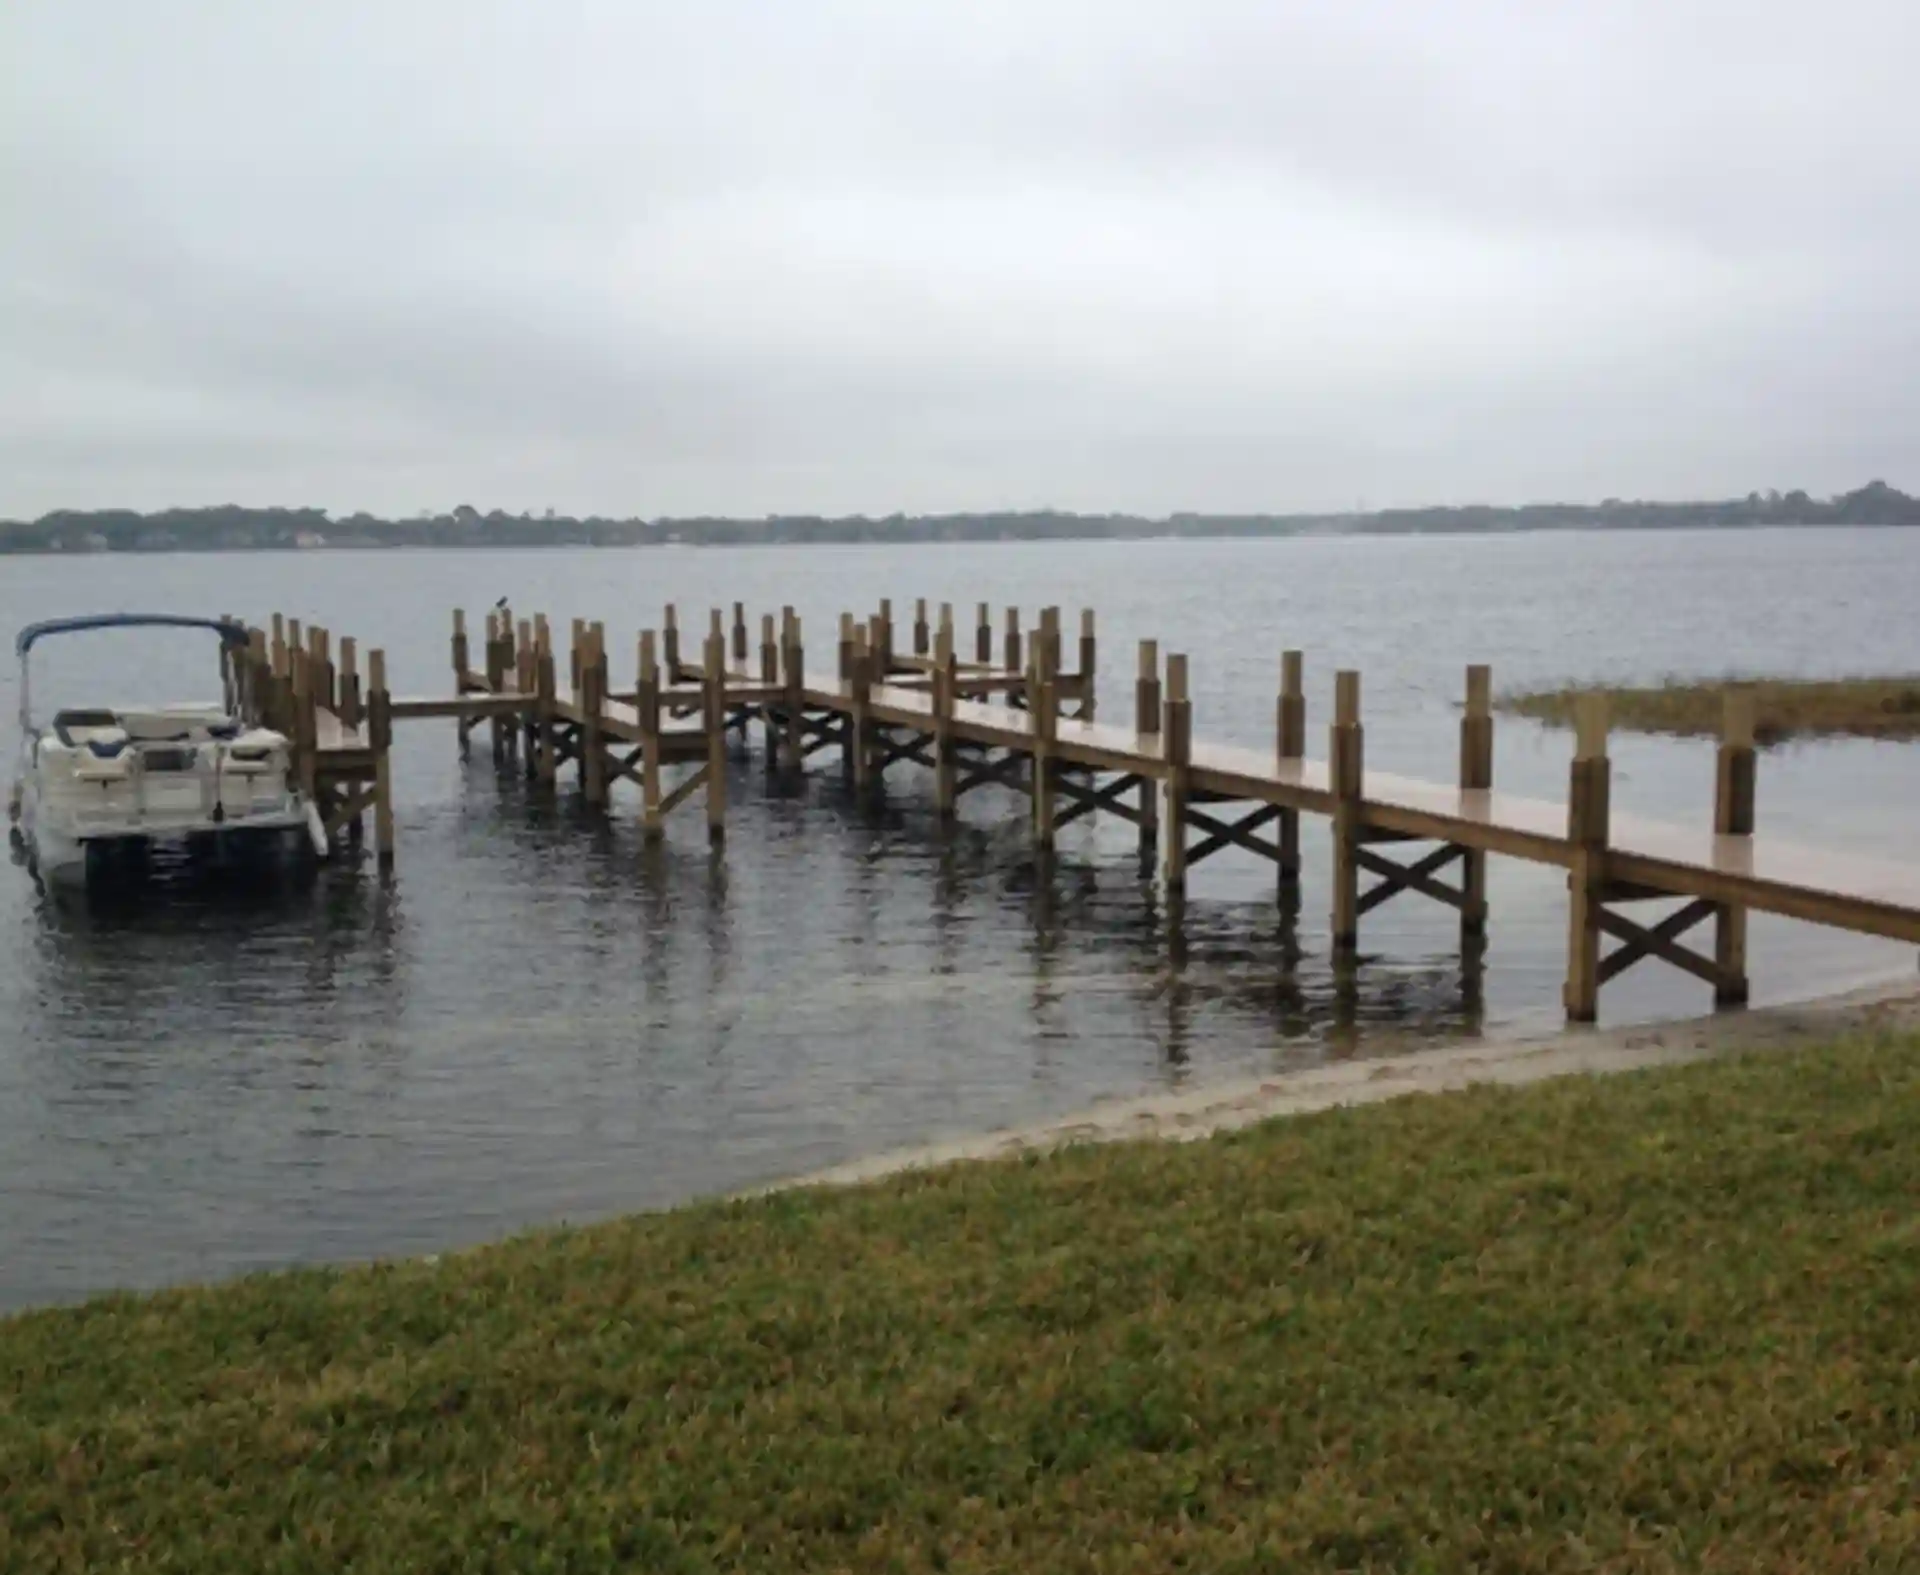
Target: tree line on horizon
(235, 528)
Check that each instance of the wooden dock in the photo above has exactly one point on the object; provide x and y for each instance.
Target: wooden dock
(1011, 713)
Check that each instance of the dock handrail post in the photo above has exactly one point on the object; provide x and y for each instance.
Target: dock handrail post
(1346, 755)
(796, 675)
(259, 674)
(921, 634)
(1042, 703)
(716, 714)
(1089, 663)
(1290, 745)
(670, 643)
(1176, 729)
(770, 682)
(945, 673)
(506, 730)
(646, 701)
(525, 682)
(1476, 776)
(1146, 723)
(463, 672)
(462, 658)
(546, 765)
(1735, 779)
(983, 635)
(1588, 815)
(593, 718)
(320, 685)
(351, 708)
(380, 741)
(305, 732)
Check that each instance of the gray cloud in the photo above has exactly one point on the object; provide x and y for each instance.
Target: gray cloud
(844, 256)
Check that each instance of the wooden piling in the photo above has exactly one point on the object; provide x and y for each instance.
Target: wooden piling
(1346, 762)
(1176, 730)
(1146, 722)
(1011, 658)
(740, 634)
(647, 707)
(1588, 817)
(1290, 739)
(1476, 776)
(945, 758)
(716, 712)
(796, 681)
(352, 708)
(769, 681)
(593, 716)
(304, 731)
(670, 642)
(575, 653)
(880, 640)
(1735, 779)
(525, 682)
(922, 636)
(546, 763)
(1043, 706)
(380, 741)
(1089, 664)
(983, 635)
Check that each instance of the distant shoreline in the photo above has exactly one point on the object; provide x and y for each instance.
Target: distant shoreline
(241, 528)
(1584, 528)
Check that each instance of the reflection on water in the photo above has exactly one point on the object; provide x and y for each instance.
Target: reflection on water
(540, 1017)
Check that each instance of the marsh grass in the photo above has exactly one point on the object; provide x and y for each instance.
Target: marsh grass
(1656, 1322)
(1783, 708)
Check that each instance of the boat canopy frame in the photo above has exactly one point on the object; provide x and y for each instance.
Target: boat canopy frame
(232, 633)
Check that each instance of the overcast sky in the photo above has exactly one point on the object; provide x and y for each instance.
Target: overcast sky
(866, 255)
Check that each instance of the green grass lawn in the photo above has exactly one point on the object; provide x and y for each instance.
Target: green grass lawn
(1783, 707)
(1668, 1320)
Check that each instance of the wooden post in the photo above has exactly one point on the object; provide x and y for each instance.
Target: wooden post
(506, 730)
(351, 708)
(945, 673)
(259, 675)
(880, 641)
(547, 765)
(769, 681)
(740, 634)
(859, 686)
(380, 740)
(574, 654)
(1735, 778)
(716, 711)
(1011, 658)
(796, 660)
(1089, 663)
(1588, 814)
(1346, 760)
(593, 716)
(525, 682)
(1476, 776)
(921, 635)
(296, 640)
(1042, 704)
(320, 649)
(1176, 728)
(462, 660)
(647, 704)
(983, 635)
(1290, 735)
(305, 742)
(1146, 722)
(670, 644)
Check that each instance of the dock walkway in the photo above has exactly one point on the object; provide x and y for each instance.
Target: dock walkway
(1012, 715)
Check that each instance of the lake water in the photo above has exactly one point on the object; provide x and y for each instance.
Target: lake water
(536, 1019)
